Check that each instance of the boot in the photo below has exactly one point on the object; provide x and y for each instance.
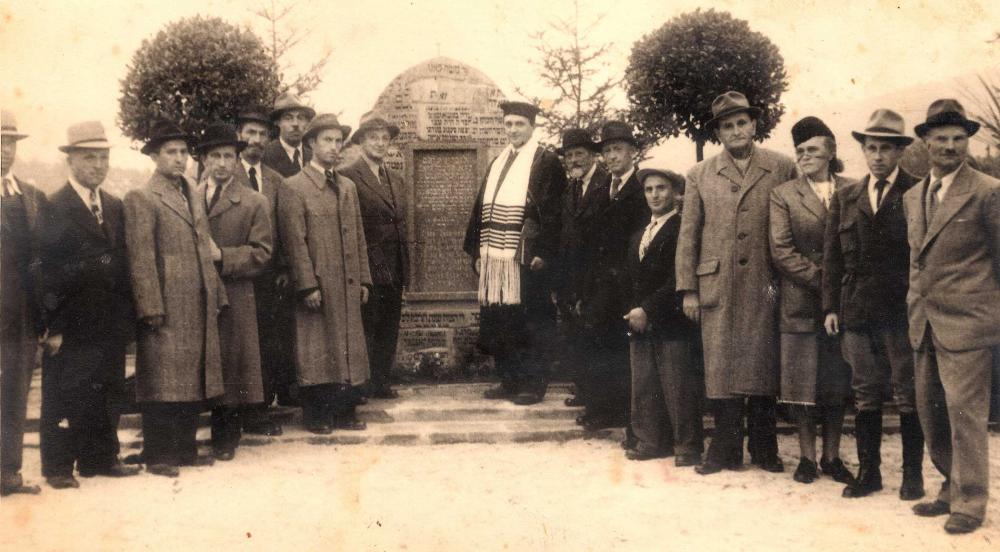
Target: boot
(913, 457)
(868, 430)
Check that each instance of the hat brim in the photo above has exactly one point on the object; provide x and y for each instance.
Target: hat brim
(88, 145)
(154, 144)
(359, 134)
(262, 120)
(900, 138)
(752, 110)
(592, 146)
(345, 129)
(277, 113)
(971, 127)
(627, 139)
(14, 135)
(200, 149)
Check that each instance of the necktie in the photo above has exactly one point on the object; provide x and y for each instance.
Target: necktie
(253, 178)
(616, 183)
(96, 207)
(215, 197)
(181, 186)
(577, 192)
(932, 200)
(503, 174)
(647, 238)
(331, 180)
(383, 177)
(879, 191)
(295, 159)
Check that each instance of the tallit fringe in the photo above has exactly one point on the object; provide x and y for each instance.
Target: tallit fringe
(499, 281)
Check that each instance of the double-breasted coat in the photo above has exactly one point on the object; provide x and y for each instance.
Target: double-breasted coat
(324, 241)
(723, 254)
(170, 263)
(240, 222)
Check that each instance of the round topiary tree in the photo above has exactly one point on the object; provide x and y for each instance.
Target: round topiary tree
(193, 72)
(675, 72)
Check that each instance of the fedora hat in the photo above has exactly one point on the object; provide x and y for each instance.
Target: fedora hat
(731, 103)
(9, 123)
(885, 124)
(373, 121)
(163, 132)
(577, 138)
(617, 131)
(523, 109)
(946, 112)
(253, 115)
(85, 135)
(219, 134)
(808, 128)
(676, 181)
(323, 122)
(290, 102)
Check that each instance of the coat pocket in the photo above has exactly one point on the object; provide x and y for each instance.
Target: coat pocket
(708, 283)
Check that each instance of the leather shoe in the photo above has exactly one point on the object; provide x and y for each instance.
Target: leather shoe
(932, 509)
(166, 470)
(708, 467)
(350, 423)
(14, 484)
(687, 460)
(806, 471)
(267, 428)
(958, 524)
(574, 402)
(771, 463)
(224, 455)
(869, 480)
(319, 428)
(385, 393)
(835, 468)
(117, 469)
(526, 398)
(598, 423)
(913, 485)
(498, 392)
(641, 455)
(199, 460)
(63, 482)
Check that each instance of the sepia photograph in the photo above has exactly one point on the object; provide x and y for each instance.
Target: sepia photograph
(437, 275)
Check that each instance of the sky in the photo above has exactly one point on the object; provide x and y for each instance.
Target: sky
(61, 62)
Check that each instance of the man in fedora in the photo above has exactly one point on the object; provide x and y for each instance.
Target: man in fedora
(90, 319)
(585, 196)
(513, 239)
(865, 278)
(240, 222)
(288, 154)
(324, 239)
(382, 194)
(621, 213)
(724, 270)
(953, 225)
(275, 304)
(23, 211)
(178, 295)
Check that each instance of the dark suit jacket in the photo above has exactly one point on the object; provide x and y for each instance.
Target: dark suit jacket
(21, 294)
(578, 229)
(383, 213)
(270, 183)
(866, 258)
(652, 282)
(276, 158)
(87, 295)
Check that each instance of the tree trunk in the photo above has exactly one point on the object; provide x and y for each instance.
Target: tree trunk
(699, 150)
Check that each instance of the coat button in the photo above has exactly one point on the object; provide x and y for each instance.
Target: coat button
(735, 188)
(743, 262)
(350, 280)
(744, 208)
(741, 235)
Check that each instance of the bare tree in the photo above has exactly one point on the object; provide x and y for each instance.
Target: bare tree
(281, 37)
(575, 71)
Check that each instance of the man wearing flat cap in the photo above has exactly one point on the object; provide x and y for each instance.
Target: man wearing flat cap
(275, 304)
(585, 196)
(866, 262)
(90, 319)
(24, 210)
(323, 236)
(513, 239)
(288, 154)
(381, 192)
(953, 226)
(724, 269)
(240, 223)
(178, 296)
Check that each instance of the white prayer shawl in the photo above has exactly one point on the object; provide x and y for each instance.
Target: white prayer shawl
(500, 233)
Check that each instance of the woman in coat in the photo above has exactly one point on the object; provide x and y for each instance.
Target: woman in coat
(815, 380)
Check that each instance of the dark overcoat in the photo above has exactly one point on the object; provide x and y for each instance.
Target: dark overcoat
(277, 159)
(172, 274)
(578, 229)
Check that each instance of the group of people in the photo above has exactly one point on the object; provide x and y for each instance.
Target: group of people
(276, 275)
(777, 281)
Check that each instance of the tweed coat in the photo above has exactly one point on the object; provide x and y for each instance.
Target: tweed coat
(866, 260)
(724, 255)
(170, 262)
(955, 263)
(277, 159)
(240, 223)
(383, 212)
(324, 239)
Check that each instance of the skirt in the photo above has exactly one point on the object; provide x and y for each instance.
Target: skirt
(813, 371)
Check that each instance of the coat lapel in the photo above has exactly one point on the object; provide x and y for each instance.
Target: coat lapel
(172, 198)
(370, 181)
(864, 204)
(958, 195)
(80, 212)
(232, 194)
(760, 166)
(112, 220)
(669, 226)
(810, 200)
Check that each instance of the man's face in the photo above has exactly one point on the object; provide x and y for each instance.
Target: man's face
(220, 163)
(326, 146)
(578, 161)
(518, 129)
(89, 166)
(813, 157)
(736, 131)
(376, 143)
(9, 152)
(948, 146)
(291, 125)
(882, 156)
(660, 196)
(256, 136)
(619, 156)
(171, 159)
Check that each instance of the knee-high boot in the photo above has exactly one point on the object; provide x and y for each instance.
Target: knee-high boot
(913, 457)
(868, 430)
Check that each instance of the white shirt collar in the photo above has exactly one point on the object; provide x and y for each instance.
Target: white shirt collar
(372, 165)
(873, 192)
(290, 150)
(210, 186)
(946, 181)
(585, 181)
(84, 192)
(624, 178)
(663, 218)
(318, 167)
(248, 166)
(11, 182)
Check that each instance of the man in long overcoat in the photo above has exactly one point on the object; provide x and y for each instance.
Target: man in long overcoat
(724, 268)
(240, 222)
(23, 210)
(289, 153)
(178, 295)
(381, 192)
(89, 317)
(322, 233)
